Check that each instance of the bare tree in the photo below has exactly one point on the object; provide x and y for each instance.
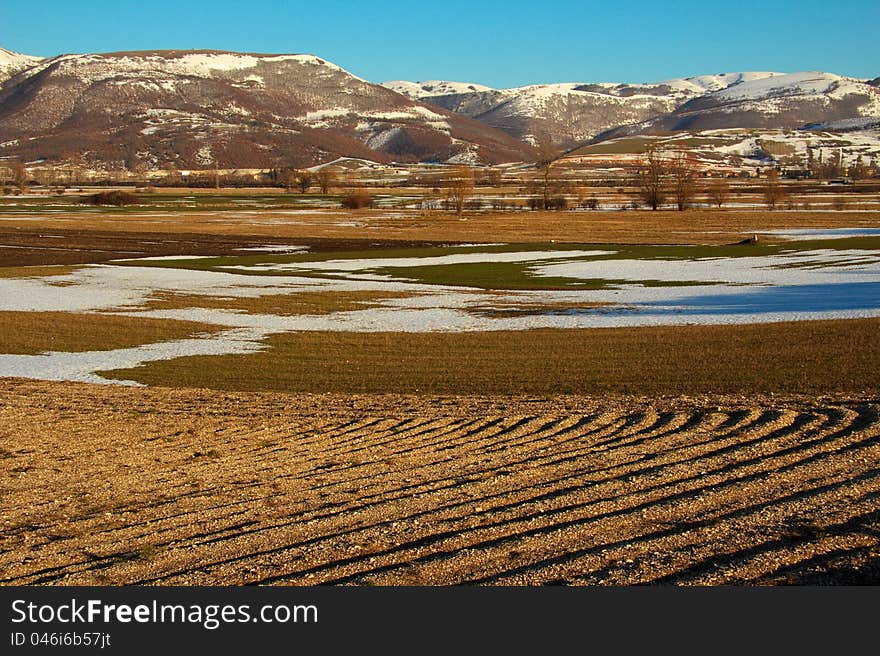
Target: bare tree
(304, 180)
(20, 177)
(489, 177)
(548, 188)
(285, 176)
(718, 191)
(773, 191)
(858, 170)
(459, 186)
(683, 175)
(831, 167)
(326, 177)
(652, 178)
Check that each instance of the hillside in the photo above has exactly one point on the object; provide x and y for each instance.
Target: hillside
(569, 113)
(778, 102)
(208, 109)
(12, 63)
(745, 149)
(205, 109)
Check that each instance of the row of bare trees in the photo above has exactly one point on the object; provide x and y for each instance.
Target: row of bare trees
(304, 179)
(547, 190)
(674, 176)
(16, 175)
(663, 176)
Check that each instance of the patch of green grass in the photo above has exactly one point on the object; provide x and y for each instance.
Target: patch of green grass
(298, 303)
(36, 271)
(510, 275)
(505, 275)
(806, 357)
(634, 145)
(29, 333)
(183, 203)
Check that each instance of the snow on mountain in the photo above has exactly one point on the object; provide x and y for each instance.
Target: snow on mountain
(429, 88)
(97, 67)
(12, 63)
(702, 84)
(207, 108)
(566, 114)
(200, 109)
(848, 124)
(741, 149)
(785, 101)
(791, 84)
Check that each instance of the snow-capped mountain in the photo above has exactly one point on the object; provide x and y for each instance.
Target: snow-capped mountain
(12, 63)
(781, 101)
(430, 88)
(569, 114)
(217, 109)
(207, 109)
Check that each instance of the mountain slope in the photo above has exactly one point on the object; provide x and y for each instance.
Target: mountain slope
(778, 102)
(12, 63)
(569, 113)
(853, 142)
(206, 109)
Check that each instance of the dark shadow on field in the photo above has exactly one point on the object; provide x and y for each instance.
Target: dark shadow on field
(827, 297)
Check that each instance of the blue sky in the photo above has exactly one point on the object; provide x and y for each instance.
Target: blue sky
(498, 43)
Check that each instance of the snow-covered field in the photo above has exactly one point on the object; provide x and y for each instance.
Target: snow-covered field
(795, 285)
(818, 233)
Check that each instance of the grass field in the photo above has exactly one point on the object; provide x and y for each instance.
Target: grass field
(38, 332)
(602, 227)
(812, 357)
(693, 454)
(277, 304)
(417, 264)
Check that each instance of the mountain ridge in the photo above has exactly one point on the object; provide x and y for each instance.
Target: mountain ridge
(566, 114)
(209, 108)
(222, 109)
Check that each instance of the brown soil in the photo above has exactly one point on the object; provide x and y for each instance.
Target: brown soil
(109, 485)
(33, 247)
(99, 238)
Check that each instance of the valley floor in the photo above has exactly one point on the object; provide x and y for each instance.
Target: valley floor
(697, 454)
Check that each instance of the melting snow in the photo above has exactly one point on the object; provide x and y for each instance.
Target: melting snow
(820, 284)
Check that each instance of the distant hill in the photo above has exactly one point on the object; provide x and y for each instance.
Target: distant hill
(783, 101)
(207, 109)
(745, 149)
(12, 63)
(570, 114)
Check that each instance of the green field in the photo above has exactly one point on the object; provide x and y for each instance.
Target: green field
(810, 357)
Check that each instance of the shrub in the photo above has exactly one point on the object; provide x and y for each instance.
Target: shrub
(117, 198)
(557, 203)
(357, 200)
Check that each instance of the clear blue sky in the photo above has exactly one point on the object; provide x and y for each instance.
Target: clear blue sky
(498, 43)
